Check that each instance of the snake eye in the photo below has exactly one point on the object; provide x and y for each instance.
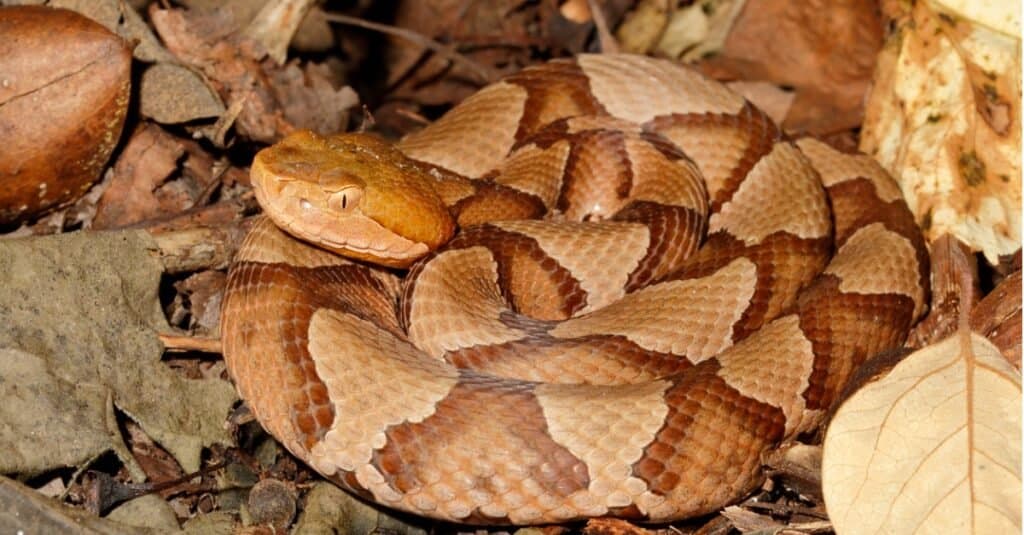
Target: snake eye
(344, 200)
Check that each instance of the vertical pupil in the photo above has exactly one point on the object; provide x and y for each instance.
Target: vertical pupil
(344, 201)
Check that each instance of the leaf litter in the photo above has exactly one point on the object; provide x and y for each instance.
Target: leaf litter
(217, 80)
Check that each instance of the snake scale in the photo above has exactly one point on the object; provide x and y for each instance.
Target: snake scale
(624, 284)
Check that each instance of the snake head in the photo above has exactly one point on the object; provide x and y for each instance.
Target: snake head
(353, 194)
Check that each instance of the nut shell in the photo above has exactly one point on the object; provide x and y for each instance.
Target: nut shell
(64, 90)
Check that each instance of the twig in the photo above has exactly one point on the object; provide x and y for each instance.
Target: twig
(412, 116)
(220, 168)
(179, 343)
(109, 492)
(782, 508)
(218, 213)
(444, 50)
(609, 45)
(368, 120)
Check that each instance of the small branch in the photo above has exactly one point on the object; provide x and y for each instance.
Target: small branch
(181, 344)
(446, 51)
(106, 492)
(609, 45)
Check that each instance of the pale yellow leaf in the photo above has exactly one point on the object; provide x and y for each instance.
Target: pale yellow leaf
(932, 447)
(699, 30)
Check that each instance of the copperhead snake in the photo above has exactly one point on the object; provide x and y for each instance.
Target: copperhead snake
(700, 289)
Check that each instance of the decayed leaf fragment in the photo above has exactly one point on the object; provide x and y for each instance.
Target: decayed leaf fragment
(170, 94)
(944, 118)
(933, 446)
(689, 32)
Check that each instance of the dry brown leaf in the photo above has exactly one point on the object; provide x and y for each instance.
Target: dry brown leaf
(827, 57)
(998, 318)
(797, 466)
(772, 99)
(156, 462)
(139, 189)
(308, 98)
(944, 117)
(201, 39)
(431, 78)
(954, 277)
(933, 446)
(313, 35)
(275, 24)
(262, 96)
(197, 304)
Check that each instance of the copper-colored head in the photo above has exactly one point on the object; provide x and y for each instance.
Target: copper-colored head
(353, 194)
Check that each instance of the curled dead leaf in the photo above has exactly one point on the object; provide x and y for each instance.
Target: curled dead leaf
(998, 317)
(139, 188)
(64, 92)
(276, 24)
(827, 57)
(695, 30)
(933, 446)
(944, 117)
(643, 26)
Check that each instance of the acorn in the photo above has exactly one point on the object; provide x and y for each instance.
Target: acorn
(65, 82)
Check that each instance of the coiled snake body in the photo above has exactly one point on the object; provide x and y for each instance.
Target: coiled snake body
(700, 289)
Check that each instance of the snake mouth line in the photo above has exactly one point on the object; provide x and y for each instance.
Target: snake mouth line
(335, 232)
(389, 251)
